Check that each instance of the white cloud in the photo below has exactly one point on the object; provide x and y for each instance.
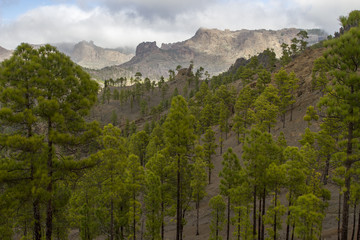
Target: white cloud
(111, 23)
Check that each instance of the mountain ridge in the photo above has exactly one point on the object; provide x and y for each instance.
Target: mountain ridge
(213, 49)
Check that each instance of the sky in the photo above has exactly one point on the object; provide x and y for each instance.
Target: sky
(126, 23)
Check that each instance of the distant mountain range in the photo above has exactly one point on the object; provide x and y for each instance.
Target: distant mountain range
(87, 54)
(213, 49)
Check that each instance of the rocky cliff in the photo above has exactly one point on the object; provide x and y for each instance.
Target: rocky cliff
(213, 49)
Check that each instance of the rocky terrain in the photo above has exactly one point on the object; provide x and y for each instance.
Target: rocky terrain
(213, 49)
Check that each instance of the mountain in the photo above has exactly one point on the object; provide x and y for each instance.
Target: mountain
(88, 55)
(4, 54)
(213, 49)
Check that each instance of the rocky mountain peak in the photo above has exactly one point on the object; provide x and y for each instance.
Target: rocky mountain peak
(146, 47)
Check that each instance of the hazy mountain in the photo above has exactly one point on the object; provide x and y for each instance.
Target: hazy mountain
(88, 55)
(213, 49)
(4, 54)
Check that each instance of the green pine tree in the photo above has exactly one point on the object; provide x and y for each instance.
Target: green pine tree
(218, 206)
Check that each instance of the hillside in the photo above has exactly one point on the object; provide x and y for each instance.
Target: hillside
(302, 66)
(213, 49)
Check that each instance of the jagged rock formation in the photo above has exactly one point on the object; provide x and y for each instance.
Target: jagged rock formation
(4, 54)
(213, 49)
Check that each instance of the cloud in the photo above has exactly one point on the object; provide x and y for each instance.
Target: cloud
(114, 23)
(151, 9)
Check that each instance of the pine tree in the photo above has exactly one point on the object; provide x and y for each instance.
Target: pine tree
(242, 119)
(209, 149)
(308, 215)
(152, 200)
(198, 181)
(275, 175)
(217, 204)
(260, 150)
(138, 144)
(179, 138)
(266, 108)
(286, 84)
(295, 180)
(223, 118)
(56, 94)
(159, 165)
(342, 61)
(134, 180)
(229, 179)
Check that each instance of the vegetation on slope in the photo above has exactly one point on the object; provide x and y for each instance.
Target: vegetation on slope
(134, 180)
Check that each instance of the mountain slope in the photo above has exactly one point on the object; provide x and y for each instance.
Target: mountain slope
(302, 66)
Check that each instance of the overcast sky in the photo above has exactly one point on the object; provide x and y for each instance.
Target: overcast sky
(119, 23)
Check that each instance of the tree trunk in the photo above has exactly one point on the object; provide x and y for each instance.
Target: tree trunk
(293, 232)
(339, 215)
(283, 120)
(228, 220)
(348, 163)
(275, 220)
(254, 214)
(259, 220)
(178, 202)
(345, 211)
(134, 216)
(111, 219)
(239, 225)
(197, 213)
(263, 214)
(288, 218)
(209, 170)
(162, 220)
(358, 231)
(354, 223)
(37, 220)
(326, 170)
(49, 210)
(221, 142)
(217, 225)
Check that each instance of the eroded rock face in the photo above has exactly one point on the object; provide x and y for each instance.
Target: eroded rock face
(213, 49)
(146, 48)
